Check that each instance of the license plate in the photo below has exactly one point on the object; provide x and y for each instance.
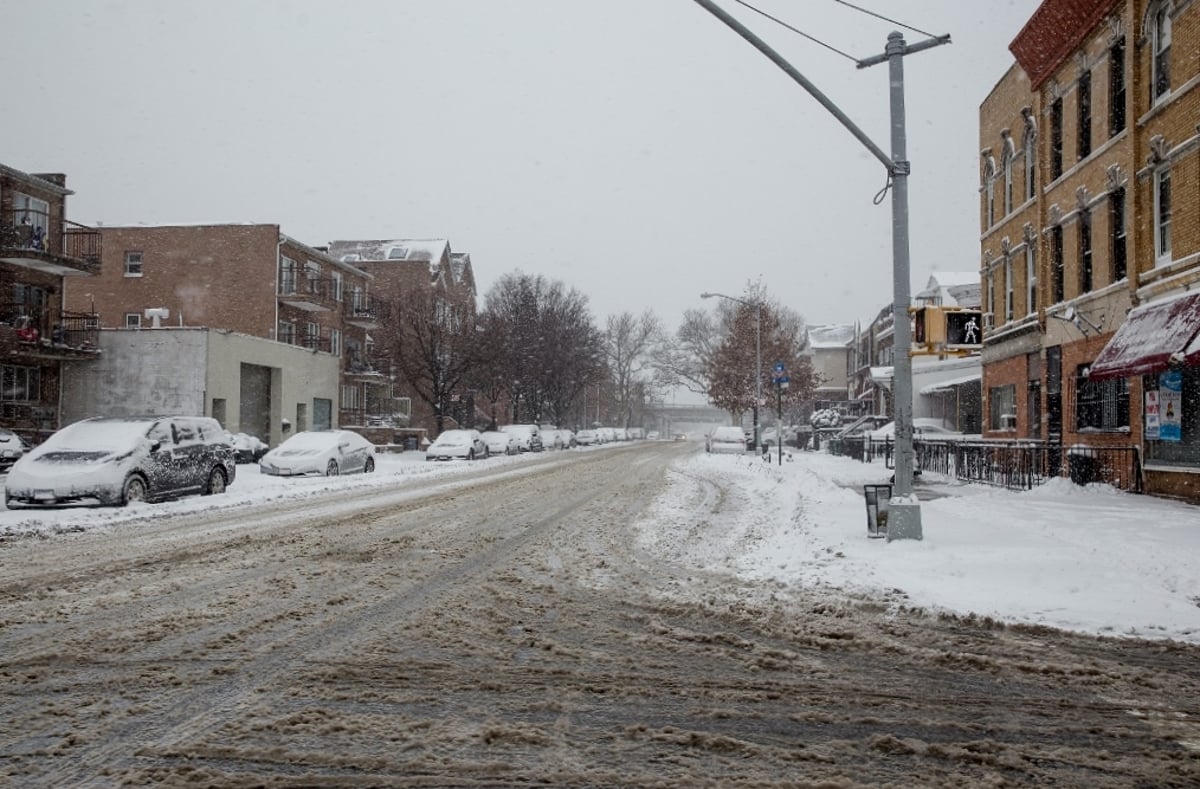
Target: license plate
(44, 495)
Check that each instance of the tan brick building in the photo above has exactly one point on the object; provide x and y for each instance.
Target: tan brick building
(1089, 206)
(249, 279)
(40, 250)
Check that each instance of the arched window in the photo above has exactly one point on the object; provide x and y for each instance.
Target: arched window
(1160, 40)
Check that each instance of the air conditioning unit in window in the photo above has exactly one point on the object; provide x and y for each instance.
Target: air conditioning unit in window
(989, 321)
(1008, 421)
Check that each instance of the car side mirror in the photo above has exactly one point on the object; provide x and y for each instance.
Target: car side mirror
(156, 446)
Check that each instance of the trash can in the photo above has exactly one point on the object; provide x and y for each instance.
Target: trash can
(878, 497)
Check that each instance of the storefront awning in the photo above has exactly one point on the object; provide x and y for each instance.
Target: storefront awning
(946, 386)
(1148, 338)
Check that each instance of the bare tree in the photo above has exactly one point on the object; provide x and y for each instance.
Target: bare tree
(544, 345)
(434, 348)
(629, 343)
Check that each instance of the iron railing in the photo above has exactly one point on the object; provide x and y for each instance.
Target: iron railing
(50, 327)
(34, 231)
(1017, 465)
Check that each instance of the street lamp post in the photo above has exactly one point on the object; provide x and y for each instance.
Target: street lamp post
(757, 305)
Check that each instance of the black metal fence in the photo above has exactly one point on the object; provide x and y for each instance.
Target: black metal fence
(1018, 465)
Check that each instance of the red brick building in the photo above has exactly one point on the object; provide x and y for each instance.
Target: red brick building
(40, 250)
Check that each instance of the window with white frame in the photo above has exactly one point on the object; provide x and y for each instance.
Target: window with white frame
(1083, 92)
(1160, 65)
(20, 384)
(335, 342)
(133, 320)
(1085, 252)
(287, 276)
(1056, 139)
(351, 397)
(1118, 252)
(1057, 264)
(312, 335)
(1162, 216)
(31, 212)
(1030, 162)
(1002, 407)
(989, 297)
(312, 273)
(133, 264)
(1008, 288)
(1030, 277)
(287, 332)
(1116, 88)
(337, 286)
(1008, 182)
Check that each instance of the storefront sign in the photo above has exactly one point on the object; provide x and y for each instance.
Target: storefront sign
(1151, 416)
(1170, 403)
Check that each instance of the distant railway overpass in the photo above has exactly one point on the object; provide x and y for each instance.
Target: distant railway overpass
(693, 420)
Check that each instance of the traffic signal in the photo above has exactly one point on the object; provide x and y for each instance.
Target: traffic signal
(964, 327)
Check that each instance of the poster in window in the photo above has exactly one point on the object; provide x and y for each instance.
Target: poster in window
(1152, 415)
(1170, 403)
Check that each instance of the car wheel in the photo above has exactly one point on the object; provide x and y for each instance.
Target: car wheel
(470, 454)
(134, 490)
(369, 466)
(216, 482)
(487, 453)
(332, 469)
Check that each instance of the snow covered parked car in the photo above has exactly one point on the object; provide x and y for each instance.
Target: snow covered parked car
(528, 436)
(117, 460)
(457, 444)
(248, 448)
(499, 443)
(12, 447)
(726, 439)
(585, 438)
(317, 452)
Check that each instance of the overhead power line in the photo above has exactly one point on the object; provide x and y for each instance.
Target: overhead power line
(813, 39)
(885, 19)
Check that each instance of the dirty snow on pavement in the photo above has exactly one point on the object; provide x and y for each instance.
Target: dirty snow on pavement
(1089, 559)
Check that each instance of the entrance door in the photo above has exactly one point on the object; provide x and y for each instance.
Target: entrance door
(254, 412)
(1054, 411)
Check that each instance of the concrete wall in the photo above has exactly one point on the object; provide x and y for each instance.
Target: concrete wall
(187, 371)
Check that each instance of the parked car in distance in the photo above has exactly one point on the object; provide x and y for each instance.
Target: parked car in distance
(727, 439)
(12, 447)
(529, 437)
(248, 448)
(652, 435)
(116, 460)
(320, 452)
(568, 438)
(500, 443)
(457, 445)
(923, 427)
(551, 438)
(586, 438)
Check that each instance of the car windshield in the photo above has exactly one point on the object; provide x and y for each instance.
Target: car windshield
(453, 438)
(103, 436)
(308, 442)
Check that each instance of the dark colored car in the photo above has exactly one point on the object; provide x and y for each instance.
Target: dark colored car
(117, 460)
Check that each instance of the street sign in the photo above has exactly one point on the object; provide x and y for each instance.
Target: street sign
(778, 368)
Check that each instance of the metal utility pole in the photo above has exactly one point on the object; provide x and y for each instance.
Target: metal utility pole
(904, 521)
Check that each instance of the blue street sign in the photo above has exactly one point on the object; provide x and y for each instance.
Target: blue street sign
(778, 368)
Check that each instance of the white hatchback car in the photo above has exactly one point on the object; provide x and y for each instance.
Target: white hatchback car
(499, 443)
(320, 452)
(457, 444)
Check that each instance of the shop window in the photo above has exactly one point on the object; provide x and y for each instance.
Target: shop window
(1100, 405)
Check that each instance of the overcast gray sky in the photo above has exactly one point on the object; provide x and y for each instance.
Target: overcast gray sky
(637, 150)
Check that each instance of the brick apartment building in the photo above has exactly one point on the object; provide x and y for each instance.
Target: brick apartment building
(1090, 234)
(39, 251)
(402, 268)
(252, 280)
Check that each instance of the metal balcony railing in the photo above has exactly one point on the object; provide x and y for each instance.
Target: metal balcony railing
(33, 232)
(49, 329)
